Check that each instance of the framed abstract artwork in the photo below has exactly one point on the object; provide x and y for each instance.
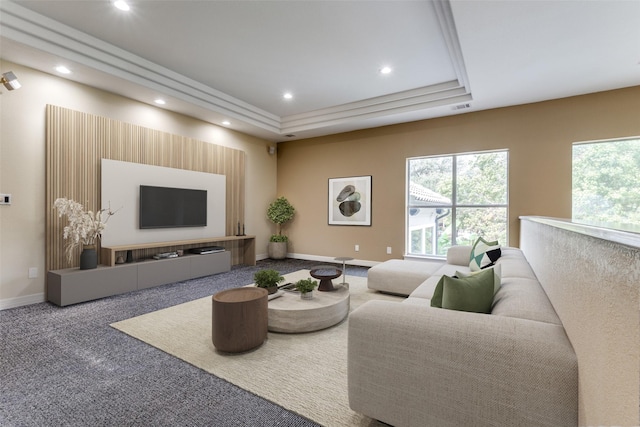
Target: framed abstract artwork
(350, 201)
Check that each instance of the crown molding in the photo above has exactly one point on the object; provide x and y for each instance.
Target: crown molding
(438, 95)
(415, 99)
(39, 32)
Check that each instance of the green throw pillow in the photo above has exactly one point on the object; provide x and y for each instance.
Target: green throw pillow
(497, 276)
(436, 299)
(484, 254)
(472, 293)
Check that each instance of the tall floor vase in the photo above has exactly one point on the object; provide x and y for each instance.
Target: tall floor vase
(88, 257)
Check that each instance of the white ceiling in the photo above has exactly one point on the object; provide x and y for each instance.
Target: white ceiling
(233, 60)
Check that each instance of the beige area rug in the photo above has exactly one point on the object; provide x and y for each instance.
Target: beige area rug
(307, 373)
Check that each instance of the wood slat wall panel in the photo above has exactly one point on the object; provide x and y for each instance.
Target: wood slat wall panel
(77, 141)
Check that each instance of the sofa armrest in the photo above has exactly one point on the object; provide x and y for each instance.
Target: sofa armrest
(459, 255)
(421, 366)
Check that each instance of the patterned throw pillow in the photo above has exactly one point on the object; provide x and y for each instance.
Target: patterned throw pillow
(484, 254)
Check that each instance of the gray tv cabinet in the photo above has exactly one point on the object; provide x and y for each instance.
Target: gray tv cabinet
(72, 285)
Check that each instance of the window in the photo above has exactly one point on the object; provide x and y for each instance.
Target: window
(606, 182)
(451, 200)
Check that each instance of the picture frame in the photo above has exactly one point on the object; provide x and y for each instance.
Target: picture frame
(349, 201)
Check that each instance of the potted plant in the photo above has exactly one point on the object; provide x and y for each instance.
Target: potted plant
(268, 279)
(279, 212)
(306, 287)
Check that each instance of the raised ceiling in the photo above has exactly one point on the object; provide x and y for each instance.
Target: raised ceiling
(234, 60)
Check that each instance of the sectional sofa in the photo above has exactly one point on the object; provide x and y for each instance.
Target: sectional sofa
(411, 364)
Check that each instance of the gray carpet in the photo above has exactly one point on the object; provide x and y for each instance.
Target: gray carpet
(68, 367)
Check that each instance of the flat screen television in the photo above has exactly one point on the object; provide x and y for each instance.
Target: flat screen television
(166, 207)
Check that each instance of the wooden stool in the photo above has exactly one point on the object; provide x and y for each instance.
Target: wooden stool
(239, 319)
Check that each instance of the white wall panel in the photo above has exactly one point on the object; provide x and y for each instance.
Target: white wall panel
(120, 189)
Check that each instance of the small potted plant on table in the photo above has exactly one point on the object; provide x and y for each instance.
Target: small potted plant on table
(268, 279)
(306, 287)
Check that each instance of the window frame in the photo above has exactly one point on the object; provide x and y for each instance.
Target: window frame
(454, 206)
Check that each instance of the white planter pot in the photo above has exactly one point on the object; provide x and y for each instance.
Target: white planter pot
(277, 250)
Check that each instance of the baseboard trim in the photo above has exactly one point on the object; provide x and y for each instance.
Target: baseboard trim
(8, 303)
(332, 260)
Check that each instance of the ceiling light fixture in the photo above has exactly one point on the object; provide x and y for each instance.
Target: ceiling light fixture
(63, 70)
(226, 123)
(122, 5)
(160, 101)
(386, 70)
(10, 81)
(288, 95)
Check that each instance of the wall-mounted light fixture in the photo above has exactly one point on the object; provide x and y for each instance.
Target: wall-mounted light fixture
(271, 149)
(10, 81)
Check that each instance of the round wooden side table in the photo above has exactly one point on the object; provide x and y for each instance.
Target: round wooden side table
(239, 319)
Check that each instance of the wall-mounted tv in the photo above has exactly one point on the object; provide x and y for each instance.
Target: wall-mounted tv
(166, 207)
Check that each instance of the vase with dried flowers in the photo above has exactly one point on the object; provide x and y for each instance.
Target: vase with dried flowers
(84, 228)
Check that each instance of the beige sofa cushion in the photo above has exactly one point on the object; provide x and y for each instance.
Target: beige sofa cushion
(523, 299)
(514, 264)
(401, 276)
(425, 290)
(459, 255)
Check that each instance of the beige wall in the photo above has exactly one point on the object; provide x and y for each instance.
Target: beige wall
(538, 136)
(22, 168)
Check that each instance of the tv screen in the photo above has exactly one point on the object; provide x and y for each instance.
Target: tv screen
(166, 207)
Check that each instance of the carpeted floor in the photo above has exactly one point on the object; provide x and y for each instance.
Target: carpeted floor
(68, 367)
(310, 369)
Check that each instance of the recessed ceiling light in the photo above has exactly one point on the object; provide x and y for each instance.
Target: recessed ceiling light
(386, 70)
(288, 95)
(62, 69)
(160, 101)
(122, 5)
(226, 123)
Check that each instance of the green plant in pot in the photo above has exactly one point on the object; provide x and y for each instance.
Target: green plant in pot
(306, 287)
(280, 211)
(268, 279)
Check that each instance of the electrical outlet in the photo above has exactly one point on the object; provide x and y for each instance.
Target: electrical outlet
(33, 272)
(357, 248)
(388, 249)
(5, 199)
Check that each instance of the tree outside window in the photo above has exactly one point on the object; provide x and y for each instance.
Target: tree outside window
(454, 199)
(606, 183)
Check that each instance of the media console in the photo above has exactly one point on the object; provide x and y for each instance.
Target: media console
(247, 255)
(72, 285)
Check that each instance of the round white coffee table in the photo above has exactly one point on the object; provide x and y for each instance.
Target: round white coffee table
(291, 314)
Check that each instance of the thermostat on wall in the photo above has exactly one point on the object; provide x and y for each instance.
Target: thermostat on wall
(5, 199)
